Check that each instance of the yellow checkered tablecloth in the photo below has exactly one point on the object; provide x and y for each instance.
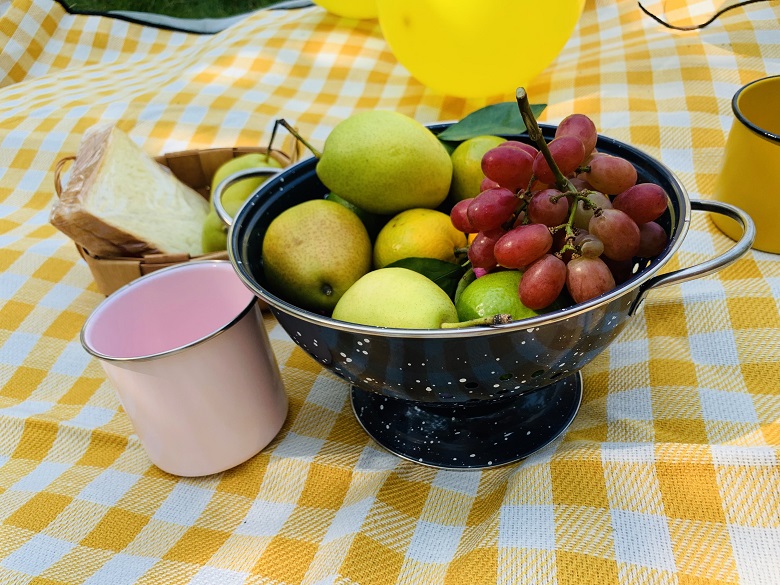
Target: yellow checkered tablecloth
(668, 475)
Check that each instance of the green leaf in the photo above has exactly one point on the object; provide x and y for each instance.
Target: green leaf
(497, 119)
(465, 280)
(449, 146)
(445, 274)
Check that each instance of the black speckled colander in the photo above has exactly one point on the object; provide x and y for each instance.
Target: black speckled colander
(477, 397)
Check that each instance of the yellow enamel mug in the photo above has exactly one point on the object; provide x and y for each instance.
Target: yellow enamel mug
(751, 163)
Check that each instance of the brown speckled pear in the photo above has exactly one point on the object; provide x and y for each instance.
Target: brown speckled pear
(313, 252)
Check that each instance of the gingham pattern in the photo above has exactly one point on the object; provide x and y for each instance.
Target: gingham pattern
(669, 473)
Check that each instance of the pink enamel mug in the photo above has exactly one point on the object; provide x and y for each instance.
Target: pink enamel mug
(186, 350)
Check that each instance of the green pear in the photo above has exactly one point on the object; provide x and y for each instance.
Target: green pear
(234, 196)
(397, 298)
(467, 165)
(215, 231)
(214, 236)
(385, 162)
(313, 252)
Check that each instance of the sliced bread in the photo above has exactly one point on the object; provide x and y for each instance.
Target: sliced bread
(121, 202)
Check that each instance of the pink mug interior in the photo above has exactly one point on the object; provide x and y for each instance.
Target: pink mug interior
(167, 310)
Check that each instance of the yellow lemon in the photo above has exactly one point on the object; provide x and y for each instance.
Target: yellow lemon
(417, 233)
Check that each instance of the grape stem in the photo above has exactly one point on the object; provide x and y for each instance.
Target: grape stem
(461, 253)
(561, 182)
(535, 133)
(587, 203)
(569, 243)
(523, 207)
(296, 134)
(490, 321)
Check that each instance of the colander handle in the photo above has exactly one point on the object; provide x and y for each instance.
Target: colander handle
(730, 256)
(219, 190)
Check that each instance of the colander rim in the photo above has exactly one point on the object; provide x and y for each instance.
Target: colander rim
(679, 231)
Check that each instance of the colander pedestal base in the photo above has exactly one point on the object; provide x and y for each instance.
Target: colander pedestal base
(469, 435)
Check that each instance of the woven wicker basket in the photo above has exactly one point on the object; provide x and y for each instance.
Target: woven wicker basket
(195, 168)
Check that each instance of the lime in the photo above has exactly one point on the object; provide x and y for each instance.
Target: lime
(493, 294)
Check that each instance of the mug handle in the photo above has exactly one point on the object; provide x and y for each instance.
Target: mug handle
(729, 257)
(219, 190)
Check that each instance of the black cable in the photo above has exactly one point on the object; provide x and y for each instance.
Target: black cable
(702, 25)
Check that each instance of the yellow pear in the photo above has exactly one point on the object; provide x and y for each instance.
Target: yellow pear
(467, 165)
(214, 233)
(373, 222)
(313, 252)
(385, 162)
(214, 229)
(234, 196)
(397, 298)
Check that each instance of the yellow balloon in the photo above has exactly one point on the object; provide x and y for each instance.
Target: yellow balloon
(477, 48)
(350, 8)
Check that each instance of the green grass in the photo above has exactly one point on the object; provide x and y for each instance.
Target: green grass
(178, 8)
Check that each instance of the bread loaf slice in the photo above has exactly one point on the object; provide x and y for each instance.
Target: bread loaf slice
(121, 202)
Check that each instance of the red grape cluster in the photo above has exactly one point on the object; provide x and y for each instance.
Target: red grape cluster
(579, 223)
